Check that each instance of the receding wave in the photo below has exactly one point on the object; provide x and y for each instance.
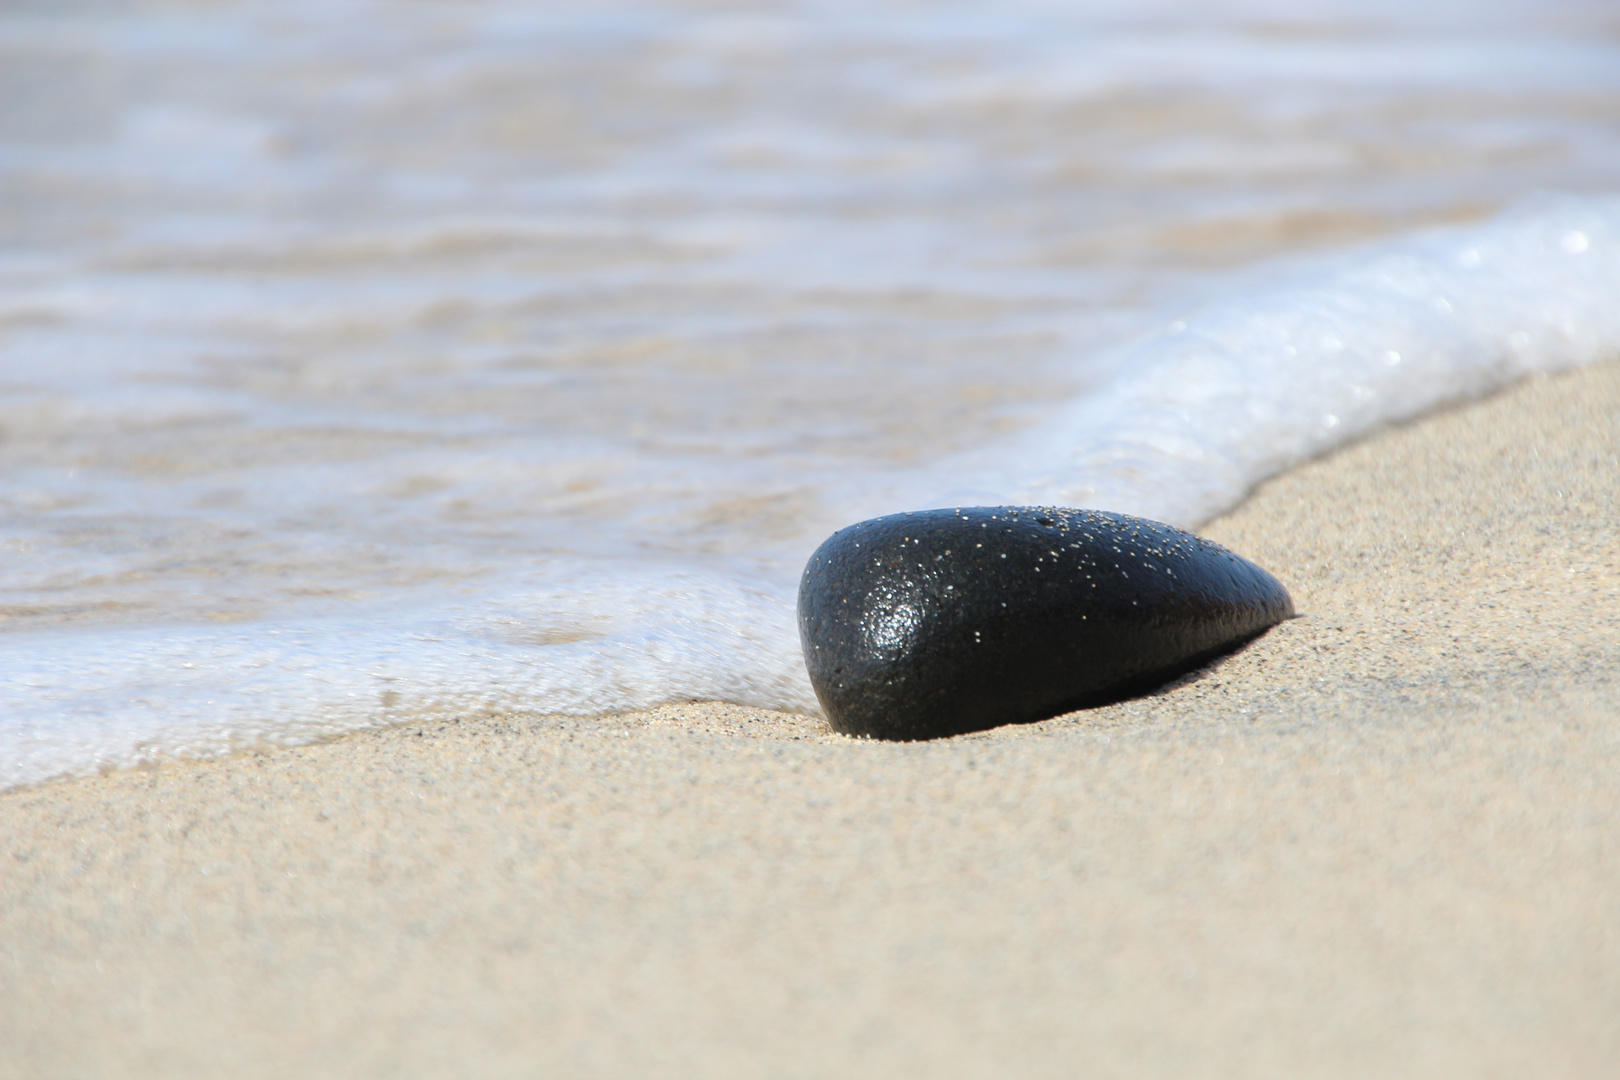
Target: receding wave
(1291, 364)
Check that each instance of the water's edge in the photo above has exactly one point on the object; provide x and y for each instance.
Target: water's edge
(1202, 412)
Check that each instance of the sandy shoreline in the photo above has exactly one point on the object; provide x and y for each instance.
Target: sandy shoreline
(1382, 840)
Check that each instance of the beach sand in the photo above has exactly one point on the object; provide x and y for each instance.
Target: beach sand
(1383, 840)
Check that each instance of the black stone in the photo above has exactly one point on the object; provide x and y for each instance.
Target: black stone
(940, 622)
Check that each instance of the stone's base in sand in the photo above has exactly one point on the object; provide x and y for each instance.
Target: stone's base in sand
(941, 622)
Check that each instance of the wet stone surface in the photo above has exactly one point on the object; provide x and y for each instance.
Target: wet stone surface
(939, 622)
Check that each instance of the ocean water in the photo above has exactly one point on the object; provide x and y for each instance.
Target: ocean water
(366, 361)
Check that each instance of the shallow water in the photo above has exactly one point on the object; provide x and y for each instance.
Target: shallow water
(366, 360)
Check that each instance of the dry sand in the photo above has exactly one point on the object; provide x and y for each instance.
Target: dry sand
(1384, 840)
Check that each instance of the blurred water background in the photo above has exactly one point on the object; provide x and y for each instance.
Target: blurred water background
(368, 359)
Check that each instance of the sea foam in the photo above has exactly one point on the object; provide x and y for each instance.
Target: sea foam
(1298, 360)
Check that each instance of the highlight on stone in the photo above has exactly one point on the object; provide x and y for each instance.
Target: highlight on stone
(941, 622)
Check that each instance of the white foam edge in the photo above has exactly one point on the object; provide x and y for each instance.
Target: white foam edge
(592, 638)
(1202, 411)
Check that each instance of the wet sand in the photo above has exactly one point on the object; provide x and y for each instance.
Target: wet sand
(1384, 839)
